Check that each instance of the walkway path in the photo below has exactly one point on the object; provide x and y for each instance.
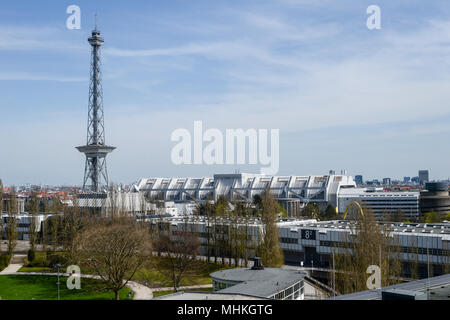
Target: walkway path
(141, 292)
(17, 262)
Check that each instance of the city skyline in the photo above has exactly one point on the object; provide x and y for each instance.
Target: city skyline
(378, 109)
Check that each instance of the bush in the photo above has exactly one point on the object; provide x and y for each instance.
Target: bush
(31, 255)
(40, 260)
(4, 261)
(55, 258)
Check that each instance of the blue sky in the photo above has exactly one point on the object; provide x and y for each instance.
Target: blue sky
(373, 102)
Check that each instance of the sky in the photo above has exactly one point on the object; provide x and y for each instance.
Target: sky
(372, 102)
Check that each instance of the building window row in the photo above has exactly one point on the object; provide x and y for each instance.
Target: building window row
(289, 240)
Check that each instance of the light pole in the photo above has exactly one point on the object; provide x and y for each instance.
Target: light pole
(428, 271)
(58, 283)
(334, 279)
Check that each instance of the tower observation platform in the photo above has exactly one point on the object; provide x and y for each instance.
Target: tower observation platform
(95, 173)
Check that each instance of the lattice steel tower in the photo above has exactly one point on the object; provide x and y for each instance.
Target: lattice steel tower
(95, 172)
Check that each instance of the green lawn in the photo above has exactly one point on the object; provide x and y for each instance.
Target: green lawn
(163, 293)
(154, 278)
(38, 269)
(21, 287)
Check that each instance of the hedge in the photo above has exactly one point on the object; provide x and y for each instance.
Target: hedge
(4, 261)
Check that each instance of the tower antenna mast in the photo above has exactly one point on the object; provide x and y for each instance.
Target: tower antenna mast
(95, 172)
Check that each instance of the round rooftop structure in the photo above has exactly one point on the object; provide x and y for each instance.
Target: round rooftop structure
(436, 186)
(272, 283)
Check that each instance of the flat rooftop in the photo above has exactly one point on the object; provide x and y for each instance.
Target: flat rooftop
(437, 229)
(192, 295)
(263, 283)
(439, 288)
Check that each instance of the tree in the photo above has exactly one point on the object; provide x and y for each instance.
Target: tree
(329, 213)
(269, 247)
(115, 249)
(311, 210)
(207, 210)
(73, 223)
(368, 244)
(432, 217)
(10, 230)
(394, 216)
(1, 215)
(180, 253)
(33, 207)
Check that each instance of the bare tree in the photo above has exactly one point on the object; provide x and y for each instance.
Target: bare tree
(115, 249)
(11, 232)
(180, 253)
(1, 216)
(34, 211)
(369, 243)
(269, 247)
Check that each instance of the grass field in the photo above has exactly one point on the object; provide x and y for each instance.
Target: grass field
(21, 287)
(37, 269)
(154, 278)
(163, 293)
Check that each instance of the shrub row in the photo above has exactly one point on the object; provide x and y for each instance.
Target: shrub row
(44, 259)
(4, 261)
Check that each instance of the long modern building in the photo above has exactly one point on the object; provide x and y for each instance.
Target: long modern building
(313, 242)
(381, 202)
(291, 191)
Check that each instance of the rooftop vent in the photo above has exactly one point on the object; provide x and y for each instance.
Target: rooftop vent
(257, 264)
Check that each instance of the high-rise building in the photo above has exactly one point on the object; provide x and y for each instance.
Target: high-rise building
(406, 179)
(359, 179)
(423, 177)
(387, 181)
(95, 173)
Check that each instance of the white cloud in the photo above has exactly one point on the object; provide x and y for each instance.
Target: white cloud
(26, 76)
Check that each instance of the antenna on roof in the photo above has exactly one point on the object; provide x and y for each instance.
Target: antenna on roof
(95, 21)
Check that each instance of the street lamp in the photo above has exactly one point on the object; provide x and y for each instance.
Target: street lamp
(58, 283)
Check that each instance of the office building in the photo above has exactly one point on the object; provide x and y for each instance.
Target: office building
(382, 203)
(359, 180)
(423, 177)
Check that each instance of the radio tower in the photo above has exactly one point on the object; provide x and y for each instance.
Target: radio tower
(95, 172)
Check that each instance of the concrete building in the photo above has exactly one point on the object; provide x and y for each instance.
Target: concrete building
(434, 288)
(107, 203)
(435, 198)
(271, 283)
(313, 242)
(19, 204)
(193, 295)
(423, 177)
(291, 191)
(359, 180)
(24, 222)
(382, 203)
